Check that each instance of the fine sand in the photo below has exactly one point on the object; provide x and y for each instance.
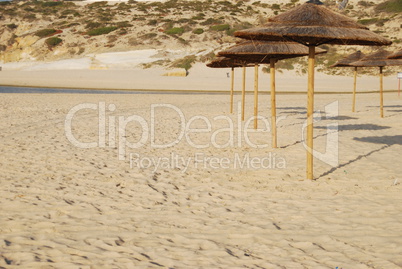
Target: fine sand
(63, 206)
(200, 78)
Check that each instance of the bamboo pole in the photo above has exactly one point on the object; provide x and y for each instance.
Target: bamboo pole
(231, 91)
(243, 94)
(255, 96)
(310, 111)
(273, 103)
(354, 90)
(381, 94)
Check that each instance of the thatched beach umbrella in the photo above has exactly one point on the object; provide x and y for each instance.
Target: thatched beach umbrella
(396, 55)
(223, 62)
(345, 62)
(312, 24)
(379, 59)
(266, 52)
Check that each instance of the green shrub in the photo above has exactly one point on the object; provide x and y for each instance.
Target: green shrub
(220, 27)
(153, 22)
(122, 24)
(51, 4)
(106, 18)
(97, 4)
(149, 36)
(210, 21)
(378, 22)
(364, 4)
(199, 17)
(45, 32)
(183, 41)
(368, 21)
(123, 6)
(185, 63)
(30, 17)
(12, 26)
(208, 57)
(275, 6)
(53, 41)
(71, 12)
(73, 24)
(101, 31)
(198, 31)
(93, 25)
(237, 27)
(390, 6)
(175, 31)
(11, 12)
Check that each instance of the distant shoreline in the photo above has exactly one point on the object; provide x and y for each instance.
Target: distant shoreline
(201, 79)
(48, 90)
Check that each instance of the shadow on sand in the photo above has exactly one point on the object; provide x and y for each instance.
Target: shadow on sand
(386, 141)
(340, 128)
(354, 127)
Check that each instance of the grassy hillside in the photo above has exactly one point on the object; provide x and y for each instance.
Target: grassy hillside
(44, 30)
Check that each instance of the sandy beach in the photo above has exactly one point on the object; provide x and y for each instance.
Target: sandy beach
(200, 78)
(225, 205)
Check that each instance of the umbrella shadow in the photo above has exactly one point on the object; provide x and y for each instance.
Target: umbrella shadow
(301, 141)
(333, 118)
(333, 169)
(386, 141)
(396, 113)
(354, 127)
(339, 118)
(345, 127)
(292, 108)
(397, 106)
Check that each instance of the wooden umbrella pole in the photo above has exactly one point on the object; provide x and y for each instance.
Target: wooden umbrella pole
(381, 94)
(231, 91)
(354, 90)
(255, 96)
(310, 111)
(243, 94)
(273, 103)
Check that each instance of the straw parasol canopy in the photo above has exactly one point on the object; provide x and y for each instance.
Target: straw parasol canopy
(224, 62)
(396, 55)
(258, 51)
(346, 62)
(313, 24)
(378, 59)
(267, 52)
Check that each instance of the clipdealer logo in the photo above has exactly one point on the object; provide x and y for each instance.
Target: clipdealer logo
(116, 126)
(222, 131)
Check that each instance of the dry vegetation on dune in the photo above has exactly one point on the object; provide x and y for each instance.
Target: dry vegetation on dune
(42, 30)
